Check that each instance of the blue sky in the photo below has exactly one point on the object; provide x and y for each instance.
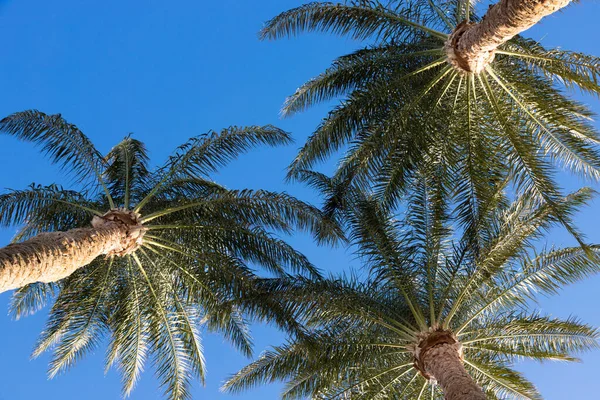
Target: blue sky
(170, 70)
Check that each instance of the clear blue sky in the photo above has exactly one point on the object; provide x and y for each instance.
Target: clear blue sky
(170, 70)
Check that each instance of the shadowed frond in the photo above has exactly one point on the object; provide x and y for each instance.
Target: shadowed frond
(354, 19)
(18, 206)
(64, 143)
(31, 298)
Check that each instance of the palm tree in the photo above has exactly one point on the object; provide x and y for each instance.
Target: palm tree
(167, 250)
(439, 85)
(433, 310)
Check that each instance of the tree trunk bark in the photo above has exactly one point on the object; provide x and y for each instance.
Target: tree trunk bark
(50, 257)
(471, 46)
(443, 363)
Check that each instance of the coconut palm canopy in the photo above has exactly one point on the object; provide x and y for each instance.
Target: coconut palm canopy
(187, 269)
(428, 287)
(410, 98)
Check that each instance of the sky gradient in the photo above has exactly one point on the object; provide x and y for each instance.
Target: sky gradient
(166, 71)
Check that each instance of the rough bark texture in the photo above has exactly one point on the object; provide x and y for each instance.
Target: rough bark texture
(471, 46)
(443, 363)
(50, 257)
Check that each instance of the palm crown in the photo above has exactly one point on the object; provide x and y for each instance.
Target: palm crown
(188, 269)
(428, 286)
(408, 103)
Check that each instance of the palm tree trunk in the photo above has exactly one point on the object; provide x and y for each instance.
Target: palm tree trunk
(444, 364)
(49, 257)
(471, 46)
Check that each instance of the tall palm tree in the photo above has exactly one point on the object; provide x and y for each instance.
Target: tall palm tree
(433, 310)
(439, 85)
(167, 250)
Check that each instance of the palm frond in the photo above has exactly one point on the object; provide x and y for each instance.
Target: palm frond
(359, 21)
(31, 298)
(202, 155)
(63, 142)
(127, 169)
(572, 69)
